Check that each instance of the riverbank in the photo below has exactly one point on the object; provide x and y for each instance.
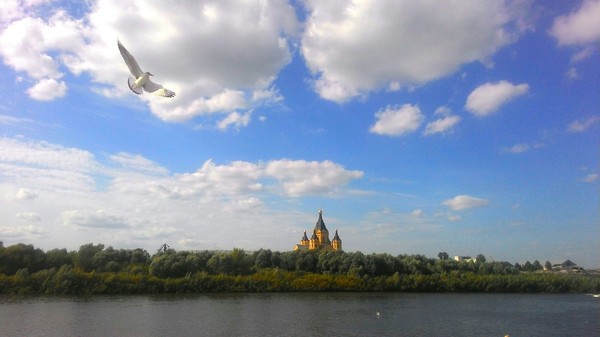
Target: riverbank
(69, 280)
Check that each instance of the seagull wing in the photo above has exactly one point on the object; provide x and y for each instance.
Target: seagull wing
(132, 64)
(158, 89)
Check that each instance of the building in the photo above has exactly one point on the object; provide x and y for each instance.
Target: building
(567, 266)
(465, 259)
(319, 238)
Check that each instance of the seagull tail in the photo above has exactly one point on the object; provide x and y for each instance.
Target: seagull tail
(130, 83)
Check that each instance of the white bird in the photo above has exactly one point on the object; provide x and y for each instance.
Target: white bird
(141, 79)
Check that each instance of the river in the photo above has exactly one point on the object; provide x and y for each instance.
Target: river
(303, 314)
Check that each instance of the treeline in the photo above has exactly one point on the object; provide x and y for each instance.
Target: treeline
(94, 269)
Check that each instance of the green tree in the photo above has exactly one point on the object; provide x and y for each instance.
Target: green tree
(443, 256)
(56, 258)
(481, 258)
(85, 255)
(263, 259)
(21, 256)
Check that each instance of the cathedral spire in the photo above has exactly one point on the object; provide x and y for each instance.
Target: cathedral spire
(320, 223)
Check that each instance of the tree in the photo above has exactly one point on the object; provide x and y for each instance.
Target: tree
(56, 258)
(139, 256)
(548, 265)
(21, 256)
(443, 256)
(85, 255)
(481, 258)
(263, 259)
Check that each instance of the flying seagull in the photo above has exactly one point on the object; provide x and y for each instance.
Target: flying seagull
(141, 79)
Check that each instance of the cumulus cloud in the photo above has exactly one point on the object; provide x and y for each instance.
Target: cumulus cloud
(582, 125)
(400, 43)
(47, 89)
(580, 27)
(25, 194)
(134, 194)
(397, 120)
(299, 177)
(461, 202)
(488, 97)
(228, 53)
(234, 119)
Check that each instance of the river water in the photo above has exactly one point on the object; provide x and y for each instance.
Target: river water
(303, 314)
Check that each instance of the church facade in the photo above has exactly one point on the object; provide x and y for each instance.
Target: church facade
(319, 238)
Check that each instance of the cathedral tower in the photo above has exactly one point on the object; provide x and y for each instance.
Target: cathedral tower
(321, 231)
(336, 243)
(319, 238)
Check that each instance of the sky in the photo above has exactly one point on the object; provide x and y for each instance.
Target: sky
(418, 127)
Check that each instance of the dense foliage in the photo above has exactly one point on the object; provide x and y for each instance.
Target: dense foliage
(94, 269)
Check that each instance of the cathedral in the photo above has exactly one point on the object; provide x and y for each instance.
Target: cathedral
(319, 238)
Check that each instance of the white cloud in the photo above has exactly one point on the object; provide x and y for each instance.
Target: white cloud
(400, 43)
(136, 202)
(11, 120)
(417, 213)
(42, 154)
(442, 125)
(583, 125)
(24, 194)
(299, 177)
(488, 97)
(461, 202)
(47, 89)
(580, 27)
(397, 121)
(227, 53)
(524, 147)
(138, 163)
(583, 54)
(519, 148)
(444, 111)
(29, 216)
(92, 219)
(21, 231)
(235, 119)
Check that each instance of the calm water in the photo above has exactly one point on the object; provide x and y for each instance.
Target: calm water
(303, 314)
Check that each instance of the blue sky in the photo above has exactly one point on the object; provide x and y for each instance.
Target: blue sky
(418, 127)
